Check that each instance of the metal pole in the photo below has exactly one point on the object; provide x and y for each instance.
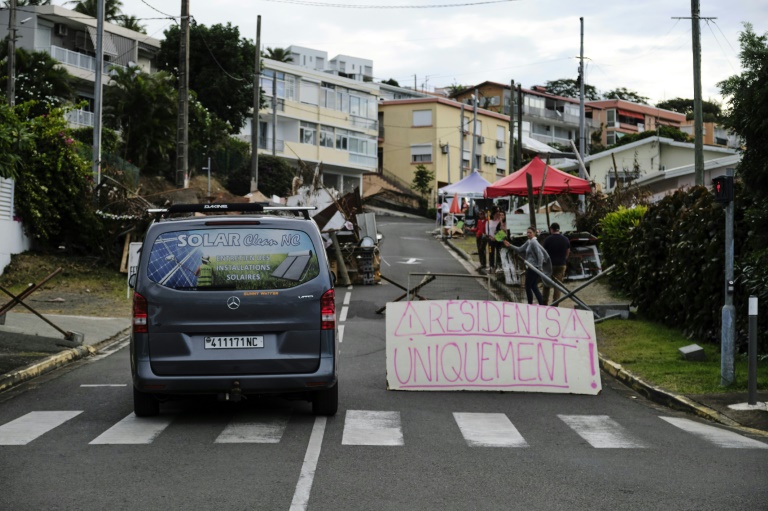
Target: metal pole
(97, 92)
(182, 133)
(474, 136)
(511, 149)
(519, 126)
(582, 138)
(209, 176)
(728, 329)
(11, 89)
(256, 107)
(752, 371)
(448, 157)
(461, 142)
(274, 112)
(698, 124)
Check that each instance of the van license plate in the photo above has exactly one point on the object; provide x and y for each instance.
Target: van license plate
(251, 341)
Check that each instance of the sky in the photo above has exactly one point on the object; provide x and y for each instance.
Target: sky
(634, 44)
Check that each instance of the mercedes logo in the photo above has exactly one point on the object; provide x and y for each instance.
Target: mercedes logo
(233, 302)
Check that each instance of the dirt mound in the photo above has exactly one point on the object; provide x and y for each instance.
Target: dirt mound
(160, 191)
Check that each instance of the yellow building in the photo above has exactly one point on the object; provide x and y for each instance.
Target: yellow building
(428, 131)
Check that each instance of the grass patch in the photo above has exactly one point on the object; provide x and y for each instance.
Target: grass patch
(650, 351)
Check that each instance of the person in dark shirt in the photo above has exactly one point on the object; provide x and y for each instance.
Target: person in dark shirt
(559, 248)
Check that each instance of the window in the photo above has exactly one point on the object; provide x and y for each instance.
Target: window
(494, 100)
(422, 117)
(610, 138)
(308, 133)
(326, 136)
(332, 181)
(610, 116)
(534, 102)
(309, 92)
(342, 139)
(421, 153)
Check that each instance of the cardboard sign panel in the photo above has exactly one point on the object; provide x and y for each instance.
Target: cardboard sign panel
(485, 345)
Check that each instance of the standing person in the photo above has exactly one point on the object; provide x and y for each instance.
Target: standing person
(494, 225)
(535, 254)
(204, 272)
(480, 240)
(559, 248)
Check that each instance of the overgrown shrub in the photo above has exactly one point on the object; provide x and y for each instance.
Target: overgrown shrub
(616, 229)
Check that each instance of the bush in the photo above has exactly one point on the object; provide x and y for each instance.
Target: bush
(616, 229)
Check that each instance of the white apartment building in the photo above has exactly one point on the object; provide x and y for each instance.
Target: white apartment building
(319, 118)
(70, 38)
(346, 66)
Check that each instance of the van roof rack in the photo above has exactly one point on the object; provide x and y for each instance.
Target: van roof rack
(246, 207)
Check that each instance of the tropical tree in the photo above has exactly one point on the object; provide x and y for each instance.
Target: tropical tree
(221, 69)
(112, 8)
(131, 23)
(143, 107)
(41, 79)
(626, 95)
(278, 54)
(710, 109)
(391, 82)
(15, 139)
(569, 88)
(24, 3)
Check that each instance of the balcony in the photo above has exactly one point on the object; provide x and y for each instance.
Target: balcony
(555, 115)
(266, 144)
(269, 102)
(75, 59)
(80, 118)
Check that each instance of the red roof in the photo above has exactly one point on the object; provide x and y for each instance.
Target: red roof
(556, 182)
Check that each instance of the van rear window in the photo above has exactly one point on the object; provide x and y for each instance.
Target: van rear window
(228, 258)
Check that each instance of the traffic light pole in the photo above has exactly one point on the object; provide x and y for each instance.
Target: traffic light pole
(728, 328)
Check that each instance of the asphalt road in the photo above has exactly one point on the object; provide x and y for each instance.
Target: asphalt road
(68, 439)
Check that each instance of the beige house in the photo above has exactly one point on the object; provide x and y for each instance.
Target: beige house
(652, 161)
(429, 132)
(619, 118)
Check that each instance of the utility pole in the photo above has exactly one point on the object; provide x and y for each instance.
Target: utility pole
(448, 157)
(582, 138)
(274, 113)
(97, 92)
(474, 135)
(11, 89)
(519, 126)
(511, 148)
(182, 133)
(728, 312)
(256, 108)
(461, 142)
(698, 121)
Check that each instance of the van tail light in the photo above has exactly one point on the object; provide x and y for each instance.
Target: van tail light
(139, 314)
(327, 310)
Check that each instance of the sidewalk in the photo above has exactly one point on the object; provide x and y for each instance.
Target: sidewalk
(30, 347)
(730, 409)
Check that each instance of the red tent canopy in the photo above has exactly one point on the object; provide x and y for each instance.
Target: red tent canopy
(557, 182)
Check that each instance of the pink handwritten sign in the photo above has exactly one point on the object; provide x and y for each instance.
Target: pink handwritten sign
(483, 345)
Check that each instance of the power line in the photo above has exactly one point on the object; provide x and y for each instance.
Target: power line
(358, 6)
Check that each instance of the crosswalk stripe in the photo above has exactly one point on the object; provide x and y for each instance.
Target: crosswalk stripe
(365, 427)
(488, 430)
(719, 437)
(601, 431)
(254, 429)
(32, 425)
(134, 430)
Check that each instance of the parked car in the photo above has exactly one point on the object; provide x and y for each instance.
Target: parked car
(233, 304)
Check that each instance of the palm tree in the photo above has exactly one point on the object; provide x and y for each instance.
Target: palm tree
(24, 3)
(131, 23)
(111, 8)
(278, 54)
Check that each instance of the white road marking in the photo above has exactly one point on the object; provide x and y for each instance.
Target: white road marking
(385, 262)
(134, 430)
(601, 431)
(412, 260)
(343, 315)
(32, 425)
(347, 297)
(104, 385)
(308, 468)
(719, 437)
(488, 430)
(341, 333)
(350, 287)
(122, 343)
(364, 427)
(254, 429)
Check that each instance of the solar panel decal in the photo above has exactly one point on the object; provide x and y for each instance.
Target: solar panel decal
(284, 266)
(296, 270)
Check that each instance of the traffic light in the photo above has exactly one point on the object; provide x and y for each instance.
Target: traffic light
(723, 188)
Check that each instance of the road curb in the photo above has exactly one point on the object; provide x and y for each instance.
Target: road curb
(670, 399)
(54, 361)
(651, 392)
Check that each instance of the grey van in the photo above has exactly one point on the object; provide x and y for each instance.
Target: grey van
(233, 304)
